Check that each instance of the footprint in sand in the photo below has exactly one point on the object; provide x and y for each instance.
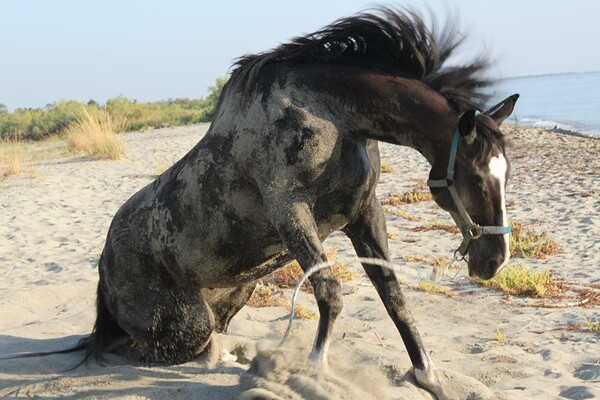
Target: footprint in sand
(52, 267)
(588, 372)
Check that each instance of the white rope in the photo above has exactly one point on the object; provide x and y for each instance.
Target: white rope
(327, 264)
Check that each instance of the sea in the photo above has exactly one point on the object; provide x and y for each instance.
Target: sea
(569, 102)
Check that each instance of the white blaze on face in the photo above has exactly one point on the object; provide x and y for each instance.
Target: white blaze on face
(498, 168)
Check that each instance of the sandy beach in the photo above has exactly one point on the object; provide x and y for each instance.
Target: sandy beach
(53, 223)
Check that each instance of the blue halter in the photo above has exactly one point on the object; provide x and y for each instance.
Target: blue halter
(473, 231)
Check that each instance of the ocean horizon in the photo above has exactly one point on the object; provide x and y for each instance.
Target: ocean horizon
(567, 101)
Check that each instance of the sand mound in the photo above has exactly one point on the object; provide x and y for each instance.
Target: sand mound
(281, 373)
(278, 373)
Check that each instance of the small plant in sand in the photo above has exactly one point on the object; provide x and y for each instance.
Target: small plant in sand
(391, 235)
(413, 196)
(288, 276)
(435, 226)
(413, 259)
(11, 159)
(269, 295)
(434, 288)
(265, 296)
(524, 242)
(94, 134)
(439, 261)
(303, 312)
(500, 338)
(593, 326)
(401, 213)
(386, 168)
(520, 281)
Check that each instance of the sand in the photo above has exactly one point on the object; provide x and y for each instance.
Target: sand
(53, 224)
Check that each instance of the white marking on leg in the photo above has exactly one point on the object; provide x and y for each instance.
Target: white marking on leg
(427, 377)
(317, 357)
(498, 168)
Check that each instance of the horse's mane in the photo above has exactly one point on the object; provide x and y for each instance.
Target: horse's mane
(390, 40)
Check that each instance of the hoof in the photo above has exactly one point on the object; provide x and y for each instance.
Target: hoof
(450, 385)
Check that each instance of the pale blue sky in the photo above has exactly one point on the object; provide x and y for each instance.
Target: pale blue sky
(152, 50)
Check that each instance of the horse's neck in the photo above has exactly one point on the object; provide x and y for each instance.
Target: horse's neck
(406, 112)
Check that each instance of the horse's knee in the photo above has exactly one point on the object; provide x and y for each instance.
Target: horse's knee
(328, 293)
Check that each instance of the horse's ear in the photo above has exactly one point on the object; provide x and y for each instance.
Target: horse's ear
(466, 124)
(503, 109)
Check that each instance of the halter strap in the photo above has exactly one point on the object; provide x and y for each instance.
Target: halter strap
(473, 231)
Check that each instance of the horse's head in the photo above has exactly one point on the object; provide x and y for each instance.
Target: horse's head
(473, 190)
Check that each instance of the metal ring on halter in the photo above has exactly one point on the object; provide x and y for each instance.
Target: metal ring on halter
(458, 256)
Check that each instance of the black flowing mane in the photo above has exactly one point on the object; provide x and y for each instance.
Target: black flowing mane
(389, 40)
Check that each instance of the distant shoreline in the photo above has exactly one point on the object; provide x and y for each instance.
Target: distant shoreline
(510, 78)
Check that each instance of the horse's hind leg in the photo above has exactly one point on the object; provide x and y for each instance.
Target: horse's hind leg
(167, 320)
(298, 229)
(369, 238)
(226, 302)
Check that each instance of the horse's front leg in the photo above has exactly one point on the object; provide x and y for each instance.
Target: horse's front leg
(368, 234)
(298, 230)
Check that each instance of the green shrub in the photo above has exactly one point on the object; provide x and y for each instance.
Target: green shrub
(38, 123)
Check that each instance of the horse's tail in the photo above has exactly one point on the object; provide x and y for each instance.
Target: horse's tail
(104, 337)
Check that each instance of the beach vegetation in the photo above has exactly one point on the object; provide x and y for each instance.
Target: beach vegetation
(386, 167)
(401, 213)
(526, 243)
(265, 295)
(413, 259)
(500, 338)
(303, 312)
(518, 280)
(94, 133)
(269, 295)
(11, 158)
(290, 275)
(437, 225)
(434, 288)
(593, 326)
(41, 123)
(439, 261)
(410, 197)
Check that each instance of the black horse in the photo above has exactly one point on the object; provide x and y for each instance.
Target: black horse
(292, 156)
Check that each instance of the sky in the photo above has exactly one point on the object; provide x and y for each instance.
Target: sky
(153, 50)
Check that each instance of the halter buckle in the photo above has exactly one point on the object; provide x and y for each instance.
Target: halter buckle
(474, 232)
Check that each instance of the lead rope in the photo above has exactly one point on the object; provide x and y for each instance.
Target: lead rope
(322, 265)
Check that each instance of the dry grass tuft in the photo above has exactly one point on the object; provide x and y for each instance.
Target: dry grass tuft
(303, 312)
(434, 288)
(526, 243)
(11, 159)
(401, 213)
(413, 259)
(413, 196)
(593, 326)
(518, 280)
(500, 338)
(439, 261)
(288, 276)
(266, 296)
(386, 168)
(94, 134)
(436, 225)
(270, 295)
